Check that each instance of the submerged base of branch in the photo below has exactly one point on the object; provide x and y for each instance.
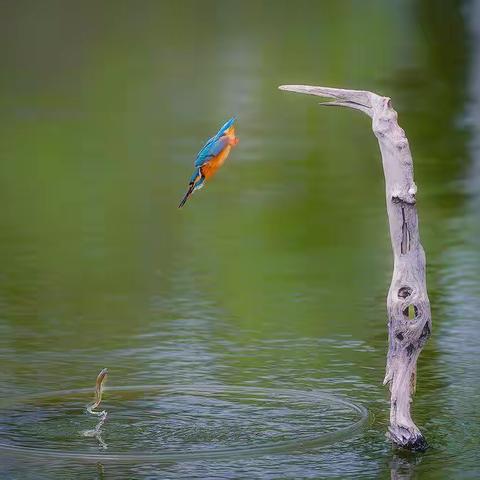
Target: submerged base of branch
(414, 442)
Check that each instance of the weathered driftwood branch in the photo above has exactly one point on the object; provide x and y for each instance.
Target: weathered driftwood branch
(409, 318)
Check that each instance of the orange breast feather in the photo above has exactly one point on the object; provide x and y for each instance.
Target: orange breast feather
(210, 168)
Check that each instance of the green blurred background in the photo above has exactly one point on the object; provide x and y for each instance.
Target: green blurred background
(276, 273)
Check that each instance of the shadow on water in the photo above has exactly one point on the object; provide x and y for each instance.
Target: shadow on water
(403, 465)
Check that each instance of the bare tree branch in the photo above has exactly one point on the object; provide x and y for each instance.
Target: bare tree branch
(408, 307)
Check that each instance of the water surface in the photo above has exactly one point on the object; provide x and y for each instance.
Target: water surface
(275, 275)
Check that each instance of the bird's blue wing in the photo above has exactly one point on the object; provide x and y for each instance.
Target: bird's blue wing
(210, 150)
(214, 145)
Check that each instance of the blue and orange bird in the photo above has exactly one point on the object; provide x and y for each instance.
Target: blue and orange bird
(211, 157)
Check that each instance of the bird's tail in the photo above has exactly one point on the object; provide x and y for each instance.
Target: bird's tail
(190, 190)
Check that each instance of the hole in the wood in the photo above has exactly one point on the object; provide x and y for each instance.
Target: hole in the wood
(411, 312)
(410, 348)
(400, 336)
(404, 292)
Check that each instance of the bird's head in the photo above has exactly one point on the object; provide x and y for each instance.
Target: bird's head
(230, 134)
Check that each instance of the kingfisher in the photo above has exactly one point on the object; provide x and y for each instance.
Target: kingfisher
(211, 157)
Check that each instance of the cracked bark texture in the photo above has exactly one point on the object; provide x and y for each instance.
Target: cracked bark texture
(408, 307)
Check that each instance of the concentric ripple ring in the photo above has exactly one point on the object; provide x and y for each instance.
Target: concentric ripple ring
(299, 443)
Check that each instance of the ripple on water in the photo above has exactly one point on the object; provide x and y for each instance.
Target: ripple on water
(175, 423)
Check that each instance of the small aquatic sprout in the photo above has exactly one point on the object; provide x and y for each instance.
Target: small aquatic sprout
(101, 378)
(96, 432)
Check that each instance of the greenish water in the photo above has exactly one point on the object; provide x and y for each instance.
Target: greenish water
(274, 276)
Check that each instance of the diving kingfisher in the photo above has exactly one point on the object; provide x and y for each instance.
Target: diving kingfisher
(211, 157)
